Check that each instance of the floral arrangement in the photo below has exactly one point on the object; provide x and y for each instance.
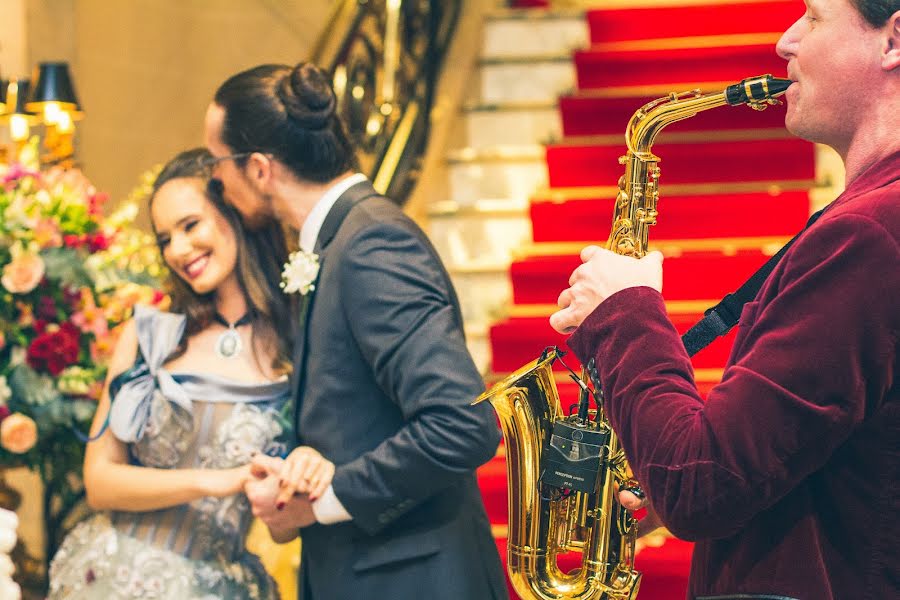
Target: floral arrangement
(70, 276)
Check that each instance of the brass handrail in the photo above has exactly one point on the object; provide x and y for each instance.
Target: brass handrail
(384, 57)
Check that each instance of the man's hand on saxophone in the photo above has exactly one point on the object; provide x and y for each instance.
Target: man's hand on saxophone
(602, 274)
(651, 521)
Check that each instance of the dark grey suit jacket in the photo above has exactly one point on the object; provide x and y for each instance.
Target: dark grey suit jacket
(384, 384)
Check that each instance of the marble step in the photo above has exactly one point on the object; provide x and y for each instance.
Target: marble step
(512, 124)
(535, 78)
(479, 344)
(470, 238)
(509, 33)
(484, 291)
(508, 174)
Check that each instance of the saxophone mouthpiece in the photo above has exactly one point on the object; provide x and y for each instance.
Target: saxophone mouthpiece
(754, 90)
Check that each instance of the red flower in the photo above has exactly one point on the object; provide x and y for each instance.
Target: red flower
(40, 325)
(53, 351)
(4, 412)
(98, 242)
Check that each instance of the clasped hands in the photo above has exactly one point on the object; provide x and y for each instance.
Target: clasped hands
(281, 491)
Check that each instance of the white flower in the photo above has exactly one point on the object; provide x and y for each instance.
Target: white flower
(300, 272)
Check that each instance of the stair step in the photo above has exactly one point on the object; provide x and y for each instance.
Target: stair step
(691, 19)
(472, 240)
(496, 173)
(517, 33)
(585, 113)
(721, 215)
(676, 66)
(593, 192)
(518, 341)
(483, 296)
(709, 273)
(526, 79)
(690, 162)
(519, 124)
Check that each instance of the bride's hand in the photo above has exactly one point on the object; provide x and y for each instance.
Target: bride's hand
(304, 471)
(220, 483)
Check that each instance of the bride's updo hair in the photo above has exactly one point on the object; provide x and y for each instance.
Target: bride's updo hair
(289, 113)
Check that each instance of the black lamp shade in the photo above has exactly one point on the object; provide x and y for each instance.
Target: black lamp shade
(52, 84)
(15, 100)
(24, 87)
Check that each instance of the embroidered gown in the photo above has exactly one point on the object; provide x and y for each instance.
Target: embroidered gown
(176, 420)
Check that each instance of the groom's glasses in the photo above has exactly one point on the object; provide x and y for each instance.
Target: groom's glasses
(213, 161)
(214, 185)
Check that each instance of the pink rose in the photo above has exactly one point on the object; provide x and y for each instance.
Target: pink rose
(18, 433)
(23, 273)
(2, 341)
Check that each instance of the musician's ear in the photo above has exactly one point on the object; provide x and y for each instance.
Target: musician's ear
(890, 58)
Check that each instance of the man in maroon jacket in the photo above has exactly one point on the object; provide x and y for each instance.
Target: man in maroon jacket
(788, 477)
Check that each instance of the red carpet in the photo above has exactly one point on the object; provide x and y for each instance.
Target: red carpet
(691, 276)
(685, 217)
(734, 186)
(574, 164)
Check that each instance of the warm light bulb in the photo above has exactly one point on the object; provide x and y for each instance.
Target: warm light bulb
(18, 127)
(64, 122)
(52, 113)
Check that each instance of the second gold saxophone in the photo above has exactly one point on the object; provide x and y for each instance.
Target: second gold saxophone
(564, 470)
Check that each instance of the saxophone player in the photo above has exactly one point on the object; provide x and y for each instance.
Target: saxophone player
(788, 477)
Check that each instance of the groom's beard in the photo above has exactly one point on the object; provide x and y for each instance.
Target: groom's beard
(257, 216)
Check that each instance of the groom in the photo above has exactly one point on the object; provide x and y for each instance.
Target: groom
(382, 378)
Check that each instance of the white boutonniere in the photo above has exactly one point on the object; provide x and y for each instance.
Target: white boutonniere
(300, 272)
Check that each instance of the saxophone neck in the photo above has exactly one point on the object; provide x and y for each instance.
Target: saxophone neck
(757, 92)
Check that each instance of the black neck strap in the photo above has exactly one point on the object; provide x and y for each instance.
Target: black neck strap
(244, 320)
(719, 319)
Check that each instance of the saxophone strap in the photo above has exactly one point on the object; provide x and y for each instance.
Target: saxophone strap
(719, 319)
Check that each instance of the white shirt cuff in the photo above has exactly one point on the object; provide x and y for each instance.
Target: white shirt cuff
(329, 510)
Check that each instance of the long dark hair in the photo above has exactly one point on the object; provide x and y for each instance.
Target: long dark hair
(876, 12)
(290, 114)
(261, 254)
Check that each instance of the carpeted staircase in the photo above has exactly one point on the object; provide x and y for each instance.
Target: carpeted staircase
(734, 187)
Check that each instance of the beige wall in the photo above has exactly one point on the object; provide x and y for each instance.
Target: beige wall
(12, 38)
(145, 70)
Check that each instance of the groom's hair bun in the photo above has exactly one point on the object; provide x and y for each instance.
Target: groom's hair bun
(307, 96)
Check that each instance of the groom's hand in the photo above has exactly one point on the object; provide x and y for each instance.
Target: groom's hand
(293, 514)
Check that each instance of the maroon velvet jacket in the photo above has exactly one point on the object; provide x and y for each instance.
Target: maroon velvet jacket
(789, 476)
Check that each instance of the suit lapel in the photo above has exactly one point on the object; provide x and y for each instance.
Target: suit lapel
(342, 207)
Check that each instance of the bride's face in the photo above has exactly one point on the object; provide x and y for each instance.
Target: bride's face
(196, 240)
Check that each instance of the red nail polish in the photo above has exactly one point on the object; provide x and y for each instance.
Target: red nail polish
(280, 506)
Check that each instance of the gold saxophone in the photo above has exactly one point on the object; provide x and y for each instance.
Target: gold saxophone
(563, 471)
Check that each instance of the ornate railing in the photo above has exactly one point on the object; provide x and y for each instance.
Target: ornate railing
(384, 57)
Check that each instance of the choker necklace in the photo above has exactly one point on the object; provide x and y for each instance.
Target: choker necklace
(229, 344)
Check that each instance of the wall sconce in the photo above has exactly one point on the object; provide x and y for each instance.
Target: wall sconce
(13, 95)
(51, 102)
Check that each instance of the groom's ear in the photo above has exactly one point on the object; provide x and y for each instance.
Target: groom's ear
(259, 169)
